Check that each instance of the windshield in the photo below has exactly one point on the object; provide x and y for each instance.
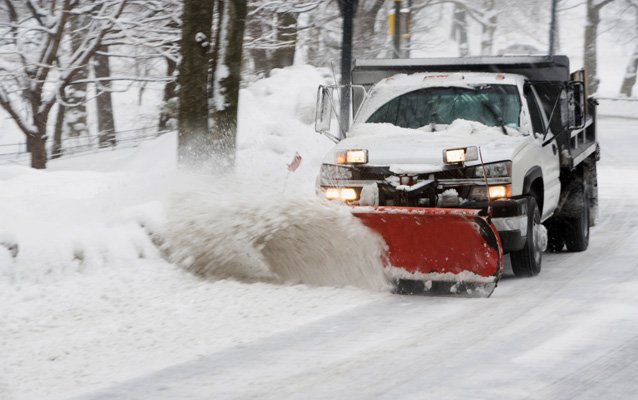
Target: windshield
(491, 105)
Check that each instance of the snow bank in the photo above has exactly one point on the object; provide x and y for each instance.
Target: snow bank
(276, 120)
(71, 221)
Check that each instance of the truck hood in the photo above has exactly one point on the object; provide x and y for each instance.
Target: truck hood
(421, 150)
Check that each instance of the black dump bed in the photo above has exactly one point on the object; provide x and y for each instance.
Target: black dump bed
(535, 68)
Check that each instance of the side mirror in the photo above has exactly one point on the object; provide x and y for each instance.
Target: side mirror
(573, 106)
(323, 114)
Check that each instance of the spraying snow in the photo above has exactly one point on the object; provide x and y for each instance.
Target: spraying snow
(272, 239)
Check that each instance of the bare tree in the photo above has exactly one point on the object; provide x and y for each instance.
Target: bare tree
(459, 30)
(272, 32)
(367, 39)
(259, 37)
(105, 119)
(591, 42)
(488, 18)
(286, 37)
(35, 74)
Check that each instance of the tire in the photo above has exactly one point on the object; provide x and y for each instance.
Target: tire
(527, 262)
(555, 240)
(591, 179)
(577, 228)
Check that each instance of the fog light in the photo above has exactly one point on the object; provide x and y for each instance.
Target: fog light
(332, 193)
(348, 194)
(500, 191)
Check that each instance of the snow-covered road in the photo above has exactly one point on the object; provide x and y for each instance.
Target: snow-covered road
(569, 333)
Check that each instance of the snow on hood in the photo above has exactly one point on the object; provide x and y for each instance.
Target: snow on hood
(420, 150)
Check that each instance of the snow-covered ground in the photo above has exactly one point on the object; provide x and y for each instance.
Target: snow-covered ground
(91, 308)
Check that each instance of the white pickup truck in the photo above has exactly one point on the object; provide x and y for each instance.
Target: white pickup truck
(512, 135)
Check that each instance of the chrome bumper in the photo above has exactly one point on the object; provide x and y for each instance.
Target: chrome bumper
(517, 223)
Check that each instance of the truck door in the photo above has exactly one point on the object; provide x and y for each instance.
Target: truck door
(549, 162)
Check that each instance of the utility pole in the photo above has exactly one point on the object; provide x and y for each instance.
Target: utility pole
(407, 36)
(552, 29)
(348, 9)
(396, 30)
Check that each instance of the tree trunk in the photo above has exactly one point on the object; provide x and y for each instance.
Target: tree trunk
(365, 39)
(56, 149)
(38, 151)
(194, 141)
(75, 94)
(632, 67)
(489, 28)
(215, 54)
(286, 38)
(105, 121)
(258, 53)
(170, 92)
(630, 75)
(459, 30)
(37, 142)
(225, 116)
(591, 36)
(312, 42)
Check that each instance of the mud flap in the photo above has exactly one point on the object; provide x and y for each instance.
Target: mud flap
(454, 251)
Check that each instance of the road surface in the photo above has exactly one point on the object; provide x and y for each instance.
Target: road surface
(569, 333)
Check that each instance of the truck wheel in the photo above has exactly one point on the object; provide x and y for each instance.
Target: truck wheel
(555, 241)
(577, 228)
(527, 262)
(591, 177)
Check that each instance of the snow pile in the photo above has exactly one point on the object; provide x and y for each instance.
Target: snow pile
(272, 239)
(55, 223)
(276, 120)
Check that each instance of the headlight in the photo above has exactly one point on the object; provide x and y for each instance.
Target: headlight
(494, 170)
(459, 156)
(352, 157)
(344, 194)
(331, 172)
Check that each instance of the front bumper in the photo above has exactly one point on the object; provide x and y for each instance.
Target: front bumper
(510, 219)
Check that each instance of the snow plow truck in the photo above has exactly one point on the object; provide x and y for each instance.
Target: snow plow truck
(458, 161)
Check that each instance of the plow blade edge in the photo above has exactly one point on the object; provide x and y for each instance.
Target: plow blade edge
(458, 246)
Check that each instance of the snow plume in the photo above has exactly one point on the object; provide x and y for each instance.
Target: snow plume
(273, 239)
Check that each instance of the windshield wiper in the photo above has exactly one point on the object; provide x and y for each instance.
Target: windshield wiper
(499, 119)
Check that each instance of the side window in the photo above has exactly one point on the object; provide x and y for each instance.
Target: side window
(534, 112)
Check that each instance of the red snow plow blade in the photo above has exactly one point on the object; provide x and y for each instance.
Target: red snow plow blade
(447, 250)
